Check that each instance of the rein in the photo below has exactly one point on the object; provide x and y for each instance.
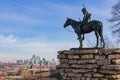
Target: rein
(69, 31)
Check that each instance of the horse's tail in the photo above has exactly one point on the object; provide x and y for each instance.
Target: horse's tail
(101, 33)
(101, 28)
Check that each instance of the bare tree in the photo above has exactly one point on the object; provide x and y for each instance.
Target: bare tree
(116, 18)
(109, 43)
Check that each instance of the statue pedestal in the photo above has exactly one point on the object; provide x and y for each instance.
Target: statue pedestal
(89, 64)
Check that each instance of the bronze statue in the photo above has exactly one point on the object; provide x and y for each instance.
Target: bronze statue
(86, 26)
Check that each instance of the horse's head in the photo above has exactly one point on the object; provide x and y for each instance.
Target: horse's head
(68, 22)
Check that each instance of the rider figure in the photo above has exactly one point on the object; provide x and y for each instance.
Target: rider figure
(87, 16)
(86, 19)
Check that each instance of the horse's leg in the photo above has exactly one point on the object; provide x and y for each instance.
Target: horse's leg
(97, 37)
(83, 37)
(80, 41)
(101, 36)
(81, 45)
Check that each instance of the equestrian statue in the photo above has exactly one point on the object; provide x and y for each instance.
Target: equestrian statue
(86, 26)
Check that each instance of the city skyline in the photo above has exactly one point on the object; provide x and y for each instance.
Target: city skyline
(36, 27)
(36, 58)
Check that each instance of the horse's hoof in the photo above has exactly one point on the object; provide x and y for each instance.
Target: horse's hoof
(83, 38)
(103, 46)
(95, 47)
(80, 47)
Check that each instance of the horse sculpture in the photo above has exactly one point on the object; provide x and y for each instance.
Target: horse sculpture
(81, 29)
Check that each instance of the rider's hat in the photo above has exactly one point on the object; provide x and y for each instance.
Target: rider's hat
(84, 9)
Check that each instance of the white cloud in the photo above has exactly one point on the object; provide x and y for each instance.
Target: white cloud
(17, 48)
(7, 39)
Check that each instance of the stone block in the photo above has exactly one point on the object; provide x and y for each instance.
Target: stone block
(100, 79)
(63, 66)
(88, 78)
(64, 78)
(81, 70)
(98, 75)
(88, 75)
(60, 52)
(104, 62)
(68, 70)
(72, 61)
(83, 78)
(117, 76)
(104, 79)
(87, 56)
(62, 56)
(114, 56)
(100, 57)
(75, 78)
(93, 51)
(62, 70)
(87, 66)
(111, 67)
(114, 51)
(63, 61)
(71, 74)
(116, 61)
(91, 61)
(95, 79)
(73, 57)
(62, 73)
(108, 72)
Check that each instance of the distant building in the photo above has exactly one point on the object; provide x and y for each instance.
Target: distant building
(26, 61)
(33, 56)
(53, 62)
(19, 62)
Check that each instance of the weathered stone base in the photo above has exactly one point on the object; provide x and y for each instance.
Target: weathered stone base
(92, 64)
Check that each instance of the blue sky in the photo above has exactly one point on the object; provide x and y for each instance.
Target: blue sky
(36, 26)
